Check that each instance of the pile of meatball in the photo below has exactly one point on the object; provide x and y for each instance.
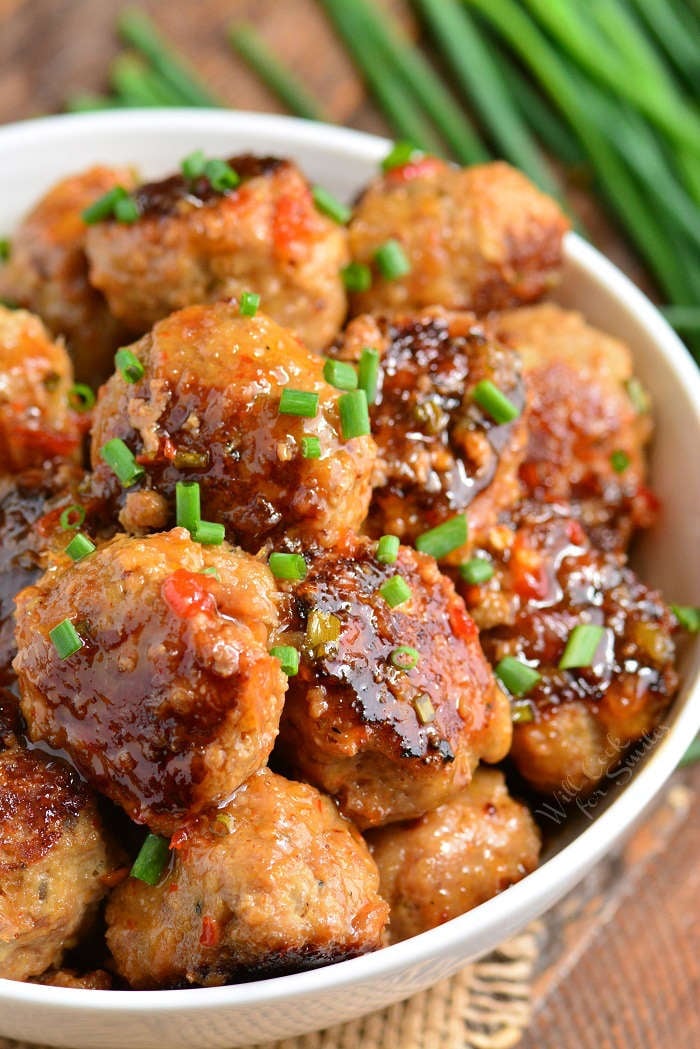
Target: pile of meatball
(284, 603)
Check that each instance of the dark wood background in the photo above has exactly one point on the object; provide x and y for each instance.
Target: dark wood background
(621, 958)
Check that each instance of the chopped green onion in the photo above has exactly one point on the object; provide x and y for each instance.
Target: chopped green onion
(209, 533)
(288, 566)
(405, 657)
(688, 617)
(494, 402)
(395, 591)
(581, 646)
(354, 414)
(80, 397)
(476, 571)
(322, 628)
(193, 164)
(388, 549)
(72, 517)
(190, 459)
(103, 207)
(446, 537)
(221, 175)
(401, 153)
(298, 402)
(517, 676)
(638, 395)
(152, 860)
(329, 205)
(122, 462)
(356, 276)
(79, 547)
(249, 303)
(288, 657)
(188, 511)
(522, 712)
(310, 448)
(392, 260)
(126, 210)
(368, 372)
(129, 366)
(5, 248)
(340, 374)
(691, 755)
(212, 570)
(425, 711)
(619, 461)
(66, 639)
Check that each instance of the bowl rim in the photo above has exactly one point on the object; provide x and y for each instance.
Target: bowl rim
(556, 875)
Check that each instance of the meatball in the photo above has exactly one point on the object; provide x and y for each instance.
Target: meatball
(48, 272)
(479, 238)
(393, 704)
(54, 861)
(451, 860)
(37, 424)
(194, 244)
(276, 881)
(587, 435)
(208, 409)
(97, 980)
(172, 699)
(574, 724)
(439, 453)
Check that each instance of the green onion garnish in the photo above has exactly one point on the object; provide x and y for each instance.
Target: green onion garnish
(5, 248)
(310, 448)
(638, 395)
(581, 646)
(249, 303)
(188, 511)
(522, 712)
(288, 566)
(72, 517)
(79, 547)
(619, 461)
(66, 639)
(356, 276)
(190, 459)
(80, 397)
(423, 706)
(401, 153)
(298, 402)
(126, 210)
(494, 402)
(288, 657)
(688, 617)
(392, 260)
(209, 533)
(122, 462)
(322, 628)
(405, 657)
(395, 591)
(387, 549)
(340, 374)
(368, 372)
(152, 860)
(193, 164)
(329, 205)
(103, 207)
(354, 414)
(129, 366)
(517, 676)
(221, 175)
(476, 571)
(446, 537)
(212, 570)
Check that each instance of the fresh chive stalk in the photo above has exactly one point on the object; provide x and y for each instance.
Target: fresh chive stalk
(354, 414)
(330, 206)
(446, 537)
(134, 83)
(368, 372)
(138, 30)
(493, 401)
(248, 43)
(581, 646)
(122, 462)
(688, 617)
(188, 511)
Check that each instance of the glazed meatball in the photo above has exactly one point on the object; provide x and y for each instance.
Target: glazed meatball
(393, 704)
(37, 424)
(574, 724)
(97, 980)
(194, 244)
(275, 882)
(54, 859)
(48, 272)
(172, 699)
(479, 238)
(439, 453)
(586, 433)
(209, 409)
(451, 860)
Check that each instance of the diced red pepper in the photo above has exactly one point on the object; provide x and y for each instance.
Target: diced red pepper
(186, 593)
(211, 933)
(421, 168)
(462, 623)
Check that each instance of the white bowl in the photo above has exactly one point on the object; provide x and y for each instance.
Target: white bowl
(32, 156)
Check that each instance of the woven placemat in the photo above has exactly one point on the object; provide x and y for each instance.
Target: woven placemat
(485, 1006)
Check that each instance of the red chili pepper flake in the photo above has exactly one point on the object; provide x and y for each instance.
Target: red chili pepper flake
(575, 533)
(186, 593)
(211, 933)
(179, 838)
(293, 223)
(463, 626)
(423, 167)
(531, 579)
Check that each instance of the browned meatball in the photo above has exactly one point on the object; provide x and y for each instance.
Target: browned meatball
(193, 244)
(97, 980)
(574, 724)
(48, 272)
(276, 881)
(586, 433)
(439, 453)
(37, 424)
(451, 860)
(53, 858)
(208, 409)
(479, 238)
(388, 743)
(172, 700)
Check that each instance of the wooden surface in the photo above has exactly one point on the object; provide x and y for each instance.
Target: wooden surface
(621, 957)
